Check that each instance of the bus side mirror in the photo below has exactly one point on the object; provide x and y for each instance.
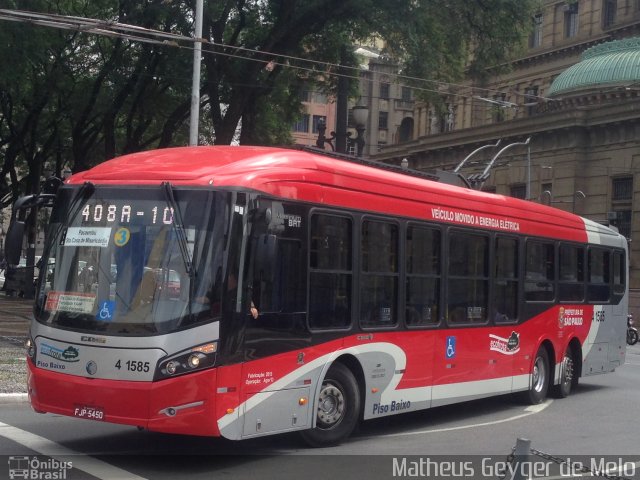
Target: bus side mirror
(266, 256)
(15, 233)
(13, 242)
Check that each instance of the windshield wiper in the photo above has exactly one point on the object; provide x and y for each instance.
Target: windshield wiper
(76, 203)
(181, 236)
(178, 226)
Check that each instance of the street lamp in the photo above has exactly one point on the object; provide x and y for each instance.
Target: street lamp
(360, 116)
(322, 139)
(341, 137)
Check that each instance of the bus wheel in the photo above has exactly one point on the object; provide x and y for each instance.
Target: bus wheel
(567, 373)
(539, 378)
(338, 408)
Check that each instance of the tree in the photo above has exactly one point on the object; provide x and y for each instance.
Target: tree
(435, 39)
(76, 98)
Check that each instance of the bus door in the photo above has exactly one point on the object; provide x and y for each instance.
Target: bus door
(605, 289)
(506, 354)
(423, 309)
(617, 347)
(276, 333)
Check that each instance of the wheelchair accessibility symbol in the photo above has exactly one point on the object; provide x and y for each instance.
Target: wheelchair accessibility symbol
(105, 310)
(451, 347)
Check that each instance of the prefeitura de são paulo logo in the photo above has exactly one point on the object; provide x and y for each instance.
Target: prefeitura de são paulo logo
(36, 468)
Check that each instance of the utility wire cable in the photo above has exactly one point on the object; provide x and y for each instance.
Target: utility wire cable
(141, 34)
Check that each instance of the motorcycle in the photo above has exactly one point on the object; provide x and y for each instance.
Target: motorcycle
(632, 332)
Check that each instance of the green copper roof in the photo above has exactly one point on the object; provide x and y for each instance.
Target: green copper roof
(608, 64)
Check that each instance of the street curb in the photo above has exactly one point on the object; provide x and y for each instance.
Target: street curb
(14, 314)
(8, 398)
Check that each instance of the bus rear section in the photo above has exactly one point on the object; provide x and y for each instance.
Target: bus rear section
(607, 291)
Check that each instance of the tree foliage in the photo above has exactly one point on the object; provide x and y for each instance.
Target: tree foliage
(76, 99)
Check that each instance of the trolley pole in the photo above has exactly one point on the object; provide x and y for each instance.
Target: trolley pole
(485, 173)
(342, 106)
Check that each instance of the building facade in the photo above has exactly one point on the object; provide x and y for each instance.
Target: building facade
(567, 115)
(389, 108)
(390, 104)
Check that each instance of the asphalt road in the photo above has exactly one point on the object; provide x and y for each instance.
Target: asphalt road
(598, 425)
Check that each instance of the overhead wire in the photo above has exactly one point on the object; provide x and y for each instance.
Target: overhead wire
(115, 29)
(97, 27)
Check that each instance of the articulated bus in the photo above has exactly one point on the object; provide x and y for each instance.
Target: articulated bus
(249, 291)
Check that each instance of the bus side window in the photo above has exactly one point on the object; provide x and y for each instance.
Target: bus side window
(330, 272)
(468, 281)
(571, 275)
(379, 264)
(619, 281)
(283, 291)
(598, 287)
(505, 291)
(423, 275)
(539, 285)
(277, 277)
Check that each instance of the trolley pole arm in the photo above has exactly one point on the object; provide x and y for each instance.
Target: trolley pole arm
(493, 160)
(461, 164)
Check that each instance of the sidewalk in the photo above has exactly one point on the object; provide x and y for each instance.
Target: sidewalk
(15, 316)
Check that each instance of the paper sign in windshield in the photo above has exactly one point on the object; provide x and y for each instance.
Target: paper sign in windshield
(87, 237)
(70, 302)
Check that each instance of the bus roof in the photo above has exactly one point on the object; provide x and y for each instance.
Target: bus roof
(312, 177)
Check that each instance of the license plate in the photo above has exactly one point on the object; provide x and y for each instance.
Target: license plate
(85, 411)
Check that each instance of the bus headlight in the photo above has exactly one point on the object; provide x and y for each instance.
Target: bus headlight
(196, 358)
(172, 367)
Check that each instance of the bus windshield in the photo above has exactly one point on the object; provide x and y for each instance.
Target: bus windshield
(124, 261)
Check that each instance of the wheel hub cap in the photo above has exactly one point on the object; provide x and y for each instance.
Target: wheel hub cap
(330, 406)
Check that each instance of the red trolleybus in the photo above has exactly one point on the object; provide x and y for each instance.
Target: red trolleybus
(375, 293)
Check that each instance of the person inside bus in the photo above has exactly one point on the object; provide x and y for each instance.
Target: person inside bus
(142, 303)
(254, 311)
(228, 302)
(147, 289)
(88, 276)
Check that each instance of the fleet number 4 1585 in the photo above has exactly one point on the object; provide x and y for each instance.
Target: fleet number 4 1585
(133, 366)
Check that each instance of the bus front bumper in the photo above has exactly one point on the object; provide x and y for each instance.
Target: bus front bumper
(183, 404)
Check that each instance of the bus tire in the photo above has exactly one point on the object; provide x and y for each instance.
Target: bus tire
(567, 375)
(338, 408)
(537, 392)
